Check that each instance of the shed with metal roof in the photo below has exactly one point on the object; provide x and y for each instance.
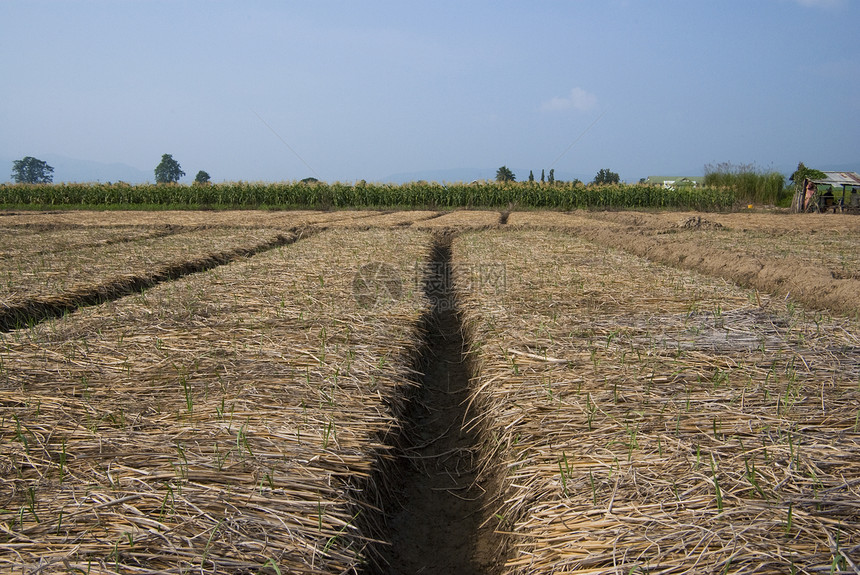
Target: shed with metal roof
(837, 191)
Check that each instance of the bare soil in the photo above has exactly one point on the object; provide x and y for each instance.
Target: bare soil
(438, 529)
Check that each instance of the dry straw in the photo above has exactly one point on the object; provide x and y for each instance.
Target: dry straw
(28, 242)
(660, 422)
(41, 274)
(462, 219)
(183, 218)
(231, 421)
(814, 260)
(385, 220)
(638, 419)
(62, 282)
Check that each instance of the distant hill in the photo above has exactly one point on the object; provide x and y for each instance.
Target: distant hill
(73, 170)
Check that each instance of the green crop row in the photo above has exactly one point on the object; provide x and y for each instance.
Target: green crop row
(424, 195)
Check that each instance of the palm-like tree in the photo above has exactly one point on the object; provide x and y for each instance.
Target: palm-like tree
(504, 174)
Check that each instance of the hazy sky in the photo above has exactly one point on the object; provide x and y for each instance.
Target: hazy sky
(348, 90)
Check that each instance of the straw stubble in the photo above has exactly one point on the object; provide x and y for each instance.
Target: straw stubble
(656, 420)
(229, 421)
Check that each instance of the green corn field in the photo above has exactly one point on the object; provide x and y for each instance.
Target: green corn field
(319, 195)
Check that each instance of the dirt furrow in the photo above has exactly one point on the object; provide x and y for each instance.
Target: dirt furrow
(438, 525)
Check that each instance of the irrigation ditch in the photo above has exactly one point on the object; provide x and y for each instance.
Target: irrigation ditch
(435, 519)
(28, 312)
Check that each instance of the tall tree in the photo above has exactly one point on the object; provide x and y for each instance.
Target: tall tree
(531, 176)
(552, 176)
(605, 176)
(168, 170)
(202, 177)
(542, 177)
(29, 170)
(504, 174)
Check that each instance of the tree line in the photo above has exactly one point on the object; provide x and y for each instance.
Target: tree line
(30, 170)
(604, 176)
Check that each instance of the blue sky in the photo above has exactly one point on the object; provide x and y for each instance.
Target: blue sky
(277, 90)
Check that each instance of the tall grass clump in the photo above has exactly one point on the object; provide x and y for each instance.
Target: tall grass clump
(751, 184)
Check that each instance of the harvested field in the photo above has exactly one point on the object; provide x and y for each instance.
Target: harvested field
(774, 222)
(659, 421)
(393, 219)
(461, 219)
(43, 274)
(668, 220)
(229, 218)
(184, 218)
(225, 422)
(25, 242)
(801, 241)
(816, 265)
(401, 392)
(46, 285)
